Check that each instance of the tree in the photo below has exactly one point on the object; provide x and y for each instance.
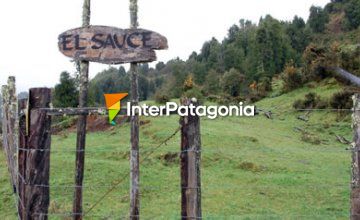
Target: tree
(318, 19)
(66, 93)
(111, 80)
(159, 66)
(299, 38)
(231, 82)
(272, 46)
(352, 12)
(212, 84)
(143, 88)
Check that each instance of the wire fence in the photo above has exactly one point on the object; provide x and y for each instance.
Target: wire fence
(117, 183)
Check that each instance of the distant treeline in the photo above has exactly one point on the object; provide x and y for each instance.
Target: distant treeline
(242, 65)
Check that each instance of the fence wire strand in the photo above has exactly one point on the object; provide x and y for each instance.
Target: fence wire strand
(112, 187)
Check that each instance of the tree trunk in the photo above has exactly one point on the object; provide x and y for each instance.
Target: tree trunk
(346, 75)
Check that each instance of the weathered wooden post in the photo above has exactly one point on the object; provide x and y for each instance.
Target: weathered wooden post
(355, 166)
(8, 129)
(37, 161)
(22, 109)
(5, 110)
(190, 165)
(81, 124)
(134, 139)
(110, 45)
(12, 129)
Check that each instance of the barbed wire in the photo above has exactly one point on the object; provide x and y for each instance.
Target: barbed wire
(148, 153)
(210, 149)
(128, 173)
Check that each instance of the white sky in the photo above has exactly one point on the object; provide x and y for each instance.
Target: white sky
(29, 29)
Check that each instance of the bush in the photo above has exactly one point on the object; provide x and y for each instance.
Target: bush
(292, 77)
(232, 81)
(311, 101)
(264, 85)
(161, 98)
(342, 100)
(259, 90)
(194, 93)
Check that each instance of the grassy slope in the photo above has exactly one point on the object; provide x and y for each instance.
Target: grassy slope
(252, 168)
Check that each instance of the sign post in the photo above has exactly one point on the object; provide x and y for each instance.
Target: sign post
(109, 45)
(81, 125)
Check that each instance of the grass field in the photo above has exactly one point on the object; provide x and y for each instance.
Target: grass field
(252, 168)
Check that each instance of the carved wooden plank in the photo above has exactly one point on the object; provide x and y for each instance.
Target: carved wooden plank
(38, 157)
(111, 45)
(190, 166)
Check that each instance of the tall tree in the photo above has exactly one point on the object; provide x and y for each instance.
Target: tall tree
(352, 11)
(66, 93)
(318, 19)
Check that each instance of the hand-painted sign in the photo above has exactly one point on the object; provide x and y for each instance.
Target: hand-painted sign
(111, 45)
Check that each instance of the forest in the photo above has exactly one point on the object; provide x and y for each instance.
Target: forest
(242, 66)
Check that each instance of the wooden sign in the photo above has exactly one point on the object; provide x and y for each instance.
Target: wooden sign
(111, 45)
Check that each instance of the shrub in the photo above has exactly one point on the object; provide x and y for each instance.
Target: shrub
(292, 77)
(264, 85)
(188, 83)
(342, 100)
(194, 93)
(161, 98)
(311, 101)
(232, 81)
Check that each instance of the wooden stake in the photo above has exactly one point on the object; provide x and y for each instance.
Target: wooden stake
(37, 158)
(81, 125)
(355, 169)
(190, 166)
(12, 129)
(134, 149)
(22, 156)
(5, 127)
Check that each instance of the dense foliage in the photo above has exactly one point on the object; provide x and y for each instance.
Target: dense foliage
(244, 63)
(66, 93)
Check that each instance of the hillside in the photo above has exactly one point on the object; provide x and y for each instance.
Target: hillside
(252, 53)
(256, 168)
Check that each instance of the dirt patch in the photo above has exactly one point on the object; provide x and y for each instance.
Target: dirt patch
(144, 122)
(95, 123)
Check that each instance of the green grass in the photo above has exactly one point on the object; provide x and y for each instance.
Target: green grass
(252, 168)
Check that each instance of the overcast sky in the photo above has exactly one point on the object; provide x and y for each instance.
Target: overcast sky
(29, 29)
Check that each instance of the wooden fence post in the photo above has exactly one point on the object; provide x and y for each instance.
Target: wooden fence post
(5, 110)
(8, 141)
(134, 139)
(37, 157)
(12, 129)
(22, 109)
(190, 165)
(355, 169)
(81, 125)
